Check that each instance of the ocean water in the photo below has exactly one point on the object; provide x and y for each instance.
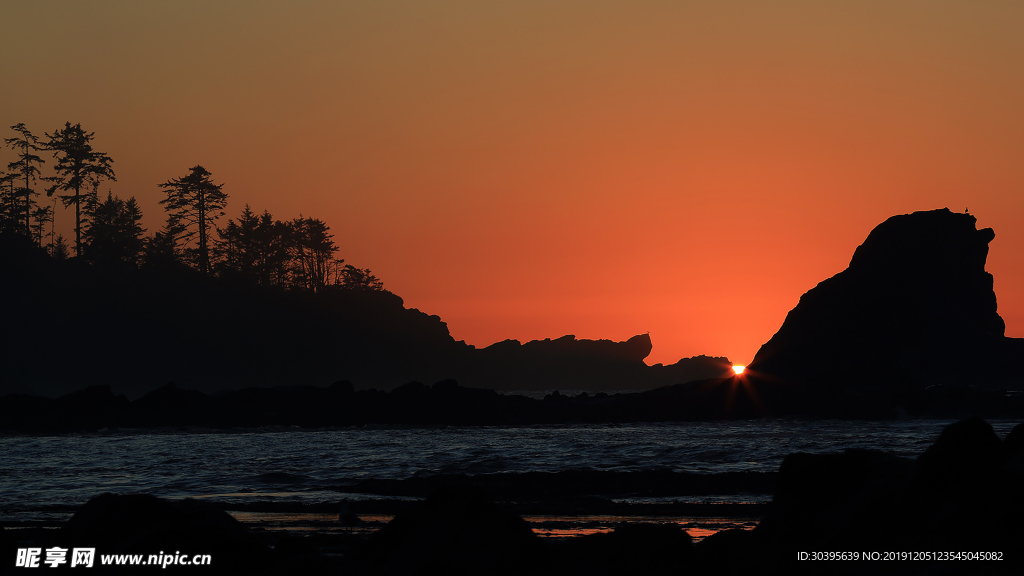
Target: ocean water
(45, 475)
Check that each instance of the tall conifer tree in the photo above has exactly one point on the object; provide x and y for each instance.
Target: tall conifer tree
(25, 172)
(77, 165)
(193, 203)
(8, 203)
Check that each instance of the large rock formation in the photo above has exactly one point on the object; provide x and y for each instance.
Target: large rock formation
(914, 309)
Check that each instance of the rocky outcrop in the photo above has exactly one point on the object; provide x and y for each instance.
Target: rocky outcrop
(914, 309)
(119, 524)
(457, 530)
(568, 363)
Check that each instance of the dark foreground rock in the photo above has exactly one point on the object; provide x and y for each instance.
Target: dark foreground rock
(961, 498)
(141, 523)
(457, 530)
(630, 549)
(140, 533)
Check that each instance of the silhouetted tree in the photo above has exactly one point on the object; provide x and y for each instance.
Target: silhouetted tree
(25, 171)
(193, 203)
(352, 278)
(78, 166)
(8, 203)
(115, 231)
(160, 251)
(59, 248)
(312, 251)
(255, 248)
(42, 216)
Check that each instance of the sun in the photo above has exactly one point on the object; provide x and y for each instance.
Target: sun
(738, 369)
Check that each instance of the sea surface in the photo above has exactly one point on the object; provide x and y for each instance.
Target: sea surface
(46, 476)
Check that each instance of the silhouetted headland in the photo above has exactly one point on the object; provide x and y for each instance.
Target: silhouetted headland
(910, 327)
(136, 329)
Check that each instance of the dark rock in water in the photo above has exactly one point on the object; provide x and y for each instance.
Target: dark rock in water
(956, 497)
(1015, 450)
(145, 524)
(346, 517)
(1015, 439)
(966, 451)
(456, 530)
(629, 549)
(915, 308)
(733, 551)
(820, 495)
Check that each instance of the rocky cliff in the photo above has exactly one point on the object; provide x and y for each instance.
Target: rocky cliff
(914, 309)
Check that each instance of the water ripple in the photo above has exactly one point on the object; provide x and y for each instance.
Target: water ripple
(41, 472)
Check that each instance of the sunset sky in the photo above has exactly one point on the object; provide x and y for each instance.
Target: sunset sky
(529, 169)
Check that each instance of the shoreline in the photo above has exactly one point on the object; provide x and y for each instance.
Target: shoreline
(856, 501)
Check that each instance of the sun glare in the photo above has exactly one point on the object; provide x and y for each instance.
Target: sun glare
(738, 369)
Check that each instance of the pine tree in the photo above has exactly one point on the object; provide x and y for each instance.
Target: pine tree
(42, 216)
(254, 248)
(59, 248)
(115, 231)
(193, 203)
(8, 203)
(78, 166)
(160, 251)
(25, 172)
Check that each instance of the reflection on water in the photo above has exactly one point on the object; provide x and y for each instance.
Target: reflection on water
(309, 522)
(544, 526)
(570, 526)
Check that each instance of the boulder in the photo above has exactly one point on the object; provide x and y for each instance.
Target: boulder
(456, 530)
(145, 524)
(629, 549)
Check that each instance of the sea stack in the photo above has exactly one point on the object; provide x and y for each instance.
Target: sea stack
(915, 309)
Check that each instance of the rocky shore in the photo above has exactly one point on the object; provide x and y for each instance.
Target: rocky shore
(955, 509)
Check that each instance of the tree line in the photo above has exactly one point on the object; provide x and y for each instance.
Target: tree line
(296, 254)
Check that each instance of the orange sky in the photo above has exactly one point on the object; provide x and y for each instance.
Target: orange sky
(528, 169)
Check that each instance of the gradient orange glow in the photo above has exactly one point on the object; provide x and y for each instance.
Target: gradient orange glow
(531, 169)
